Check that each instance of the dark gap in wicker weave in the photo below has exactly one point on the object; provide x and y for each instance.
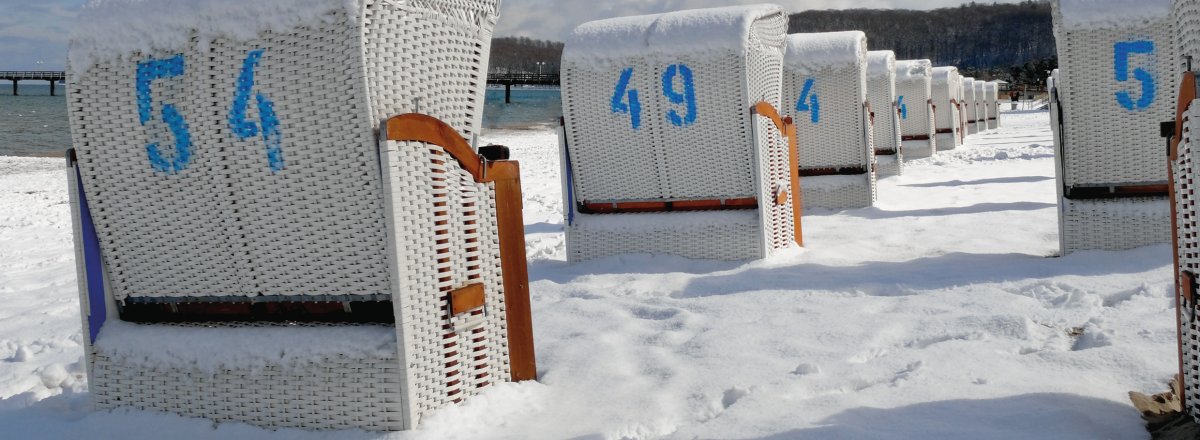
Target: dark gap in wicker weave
(352, 312)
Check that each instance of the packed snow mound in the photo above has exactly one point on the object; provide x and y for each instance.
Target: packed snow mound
(909, 70)
(944, 74)
(1110, 14)
(809, 53)
(697, 31)
(116, 29)
(881, 64)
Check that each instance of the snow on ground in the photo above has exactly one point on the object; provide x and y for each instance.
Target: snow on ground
(941, 313)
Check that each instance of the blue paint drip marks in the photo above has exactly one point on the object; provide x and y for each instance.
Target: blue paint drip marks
(241, 99)
(618, 105)
(1121, 54)
(808, 101)
(92, 265)
(147, 72)
(270, 132)
(688, 97)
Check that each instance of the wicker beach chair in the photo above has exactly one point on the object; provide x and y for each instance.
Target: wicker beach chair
(231, 186)
(945, 86)
(915, 99)
(1185, 226)
(671, 143)
(971, 100)
(1114, 87)
(992, 90)
(881, 93)
(962, 110)
(981, 105)
(824, 74)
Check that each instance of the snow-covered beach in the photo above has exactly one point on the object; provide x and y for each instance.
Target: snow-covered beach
(941, 313)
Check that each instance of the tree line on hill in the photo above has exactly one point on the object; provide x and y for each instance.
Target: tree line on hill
(1013, 41)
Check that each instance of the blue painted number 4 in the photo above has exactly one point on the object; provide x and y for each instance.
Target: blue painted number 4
(1122, 51)
(808, 101)
(268, 125)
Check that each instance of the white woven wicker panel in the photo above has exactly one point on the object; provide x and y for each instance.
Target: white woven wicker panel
(1187, 236)
(993, 102)
(1114, 224)
(981, 105)
(1111, 122)
(836, 136)
(227, 223)
(839, 192)
(944, 87)
(917, 119)
(772, 151)
(881, 93)
(971, 104)
(444, 238)
(734, 237)
(336, 393)
(1187, 21)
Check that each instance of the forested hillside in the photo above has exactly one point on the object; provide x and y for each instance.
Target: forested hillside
(979, 38)
(1014, 42)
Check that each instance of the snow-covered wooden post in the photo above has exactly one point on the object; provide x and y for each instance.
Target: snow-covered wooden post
(1116, 82)
(945, 86)
(261, 239)
(824, 79)
(971, 103)
(881, 93)
(992, 90)
(914, 97)
(665, 147)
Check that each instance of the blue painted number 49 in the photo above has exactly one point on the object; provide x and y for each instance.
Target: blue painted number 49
(625, 100)
(268, 124)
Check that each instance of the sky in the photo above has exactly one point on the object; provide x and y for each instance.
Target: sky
(34, 33)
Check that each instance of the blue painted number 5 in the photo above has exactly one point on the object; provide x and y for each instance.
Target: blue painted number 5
(147, 72)
(1121, 54)
(808, 102)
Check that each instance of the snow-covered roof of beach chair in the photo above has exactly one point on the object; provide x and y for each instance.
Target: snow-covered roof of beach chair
(1117, 66)
(658, 108)
(945, 86)
(229, 153)
(881, 92)
(913, 90)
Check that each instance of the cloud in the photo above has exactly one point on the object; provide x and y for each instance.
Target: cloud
(32, 31)
(554, 19)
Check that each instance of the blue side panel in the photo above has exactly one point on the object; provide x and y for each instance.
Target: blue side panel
(91, 261)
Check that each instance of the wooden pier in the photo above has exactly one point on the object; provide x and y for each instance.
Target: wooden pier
(521, 79)
(18, 76)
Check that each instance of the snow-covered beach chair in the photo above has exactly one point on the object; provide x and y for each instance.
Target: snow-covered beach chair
(881, 93)
(824, 75)
(1114, 86)
(992, 90)
(914, 98)
(945, 97)
(1183, 159)
(981, 105)
(962, 110)
(259, 240)
(971, 103)
(671, 143)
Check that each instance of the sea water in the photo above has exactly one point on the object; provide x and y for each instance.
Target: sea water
(35, 123)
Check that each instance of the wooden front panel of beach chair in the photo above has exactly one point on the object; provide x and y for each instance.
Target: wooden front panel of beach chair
(1116, 85)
